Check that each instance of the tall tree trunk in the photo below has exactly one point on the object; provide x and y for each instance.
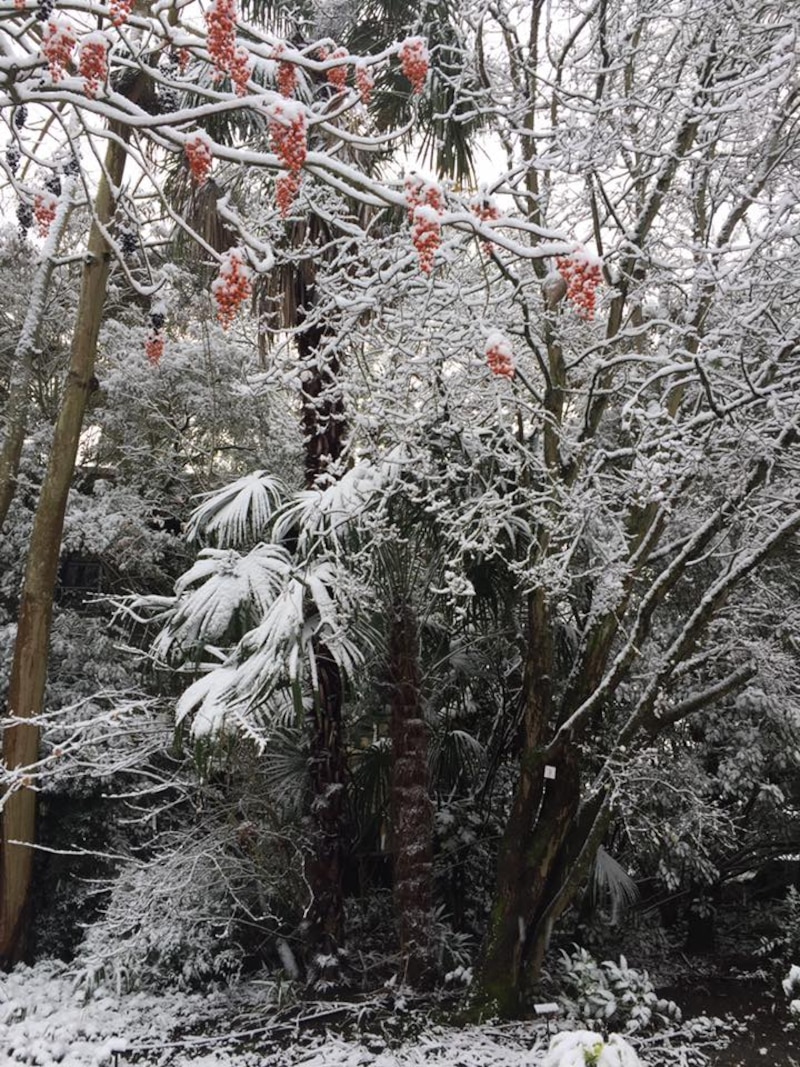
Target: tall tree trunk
(18, 403)
(323, 426)
(526, 856)
(29, 668)
(412, 812)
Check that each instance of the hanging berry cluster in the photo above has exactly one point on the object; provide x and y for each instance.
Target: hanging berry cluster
(365, 83)
(337, 76)
(24, 217)
(487, 211)
(424, 206)
(58, 43)
(19, 5)
(500, 355)
(286, 78)
(93, 62)
(241, 69)
(414, 62)
(154, 345)
(232, 286)
(199, 156)
(286, 189)
(119, 11)
(583, 274)
(44, 209)
(128, 242)
(287, 130)
(12, 158)
(221, 24)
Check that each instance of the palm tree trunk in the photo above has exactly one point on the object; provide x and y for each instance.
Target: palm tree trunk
(412, 812)
(29, 668)
(323, 426)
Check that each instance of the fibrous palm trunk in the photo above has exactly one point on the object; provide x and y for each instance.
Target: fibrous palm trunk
(412, 812)
(323, 426)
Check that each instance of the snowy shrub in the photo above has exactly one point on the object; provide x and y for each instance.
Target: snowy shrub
(614, 993)
(783, 948)
(791, 985)
(583, 1048)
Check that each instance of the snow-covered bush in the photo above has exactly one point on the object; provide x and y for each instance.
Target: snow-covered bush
(583, 1048)
(783, 947)
(791, 985)
(614, 993)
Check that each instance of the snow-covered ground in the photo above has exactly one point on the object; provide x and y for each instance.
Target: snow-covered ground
(49, 1014)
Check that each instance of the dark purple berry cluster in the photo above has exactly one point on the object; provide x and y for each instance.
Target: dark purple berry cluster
(128, 243)
(24, 217)
(44, 9)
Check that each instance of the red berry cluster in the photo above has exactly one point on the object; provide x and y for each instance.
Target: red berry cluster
(154, 347)
(487, 211)
(120, 10)
(198, 153)
(424, 205)
(58, 43)
(19, 5)
(221, 23)
(241, 69)
(582, 275)
(421, 193)
(286, 189)
(500, 355)
(44, 208)
(93, 62)
(287, 130)
(364, 82)
(184, 58)
(337, 76)
(232, 287)
(286, 77)
(414, 62)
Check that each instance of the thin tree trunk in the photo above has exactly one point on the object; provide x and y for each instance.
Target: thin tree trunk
(412, 812)
(18, 404)
(29, 668)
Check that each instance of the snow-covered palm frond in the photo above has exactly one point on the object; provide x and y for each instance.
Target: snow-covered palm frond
(612, 884)
(221, 587)
(310, 605)
(207, 700)
(238, 513)
(326, 514)
(456, 754)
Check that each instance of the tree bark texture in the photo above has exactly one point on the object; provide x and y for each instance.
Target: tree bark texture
(29, 668)
(327, 771)
(412, 812)
(323, 428)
